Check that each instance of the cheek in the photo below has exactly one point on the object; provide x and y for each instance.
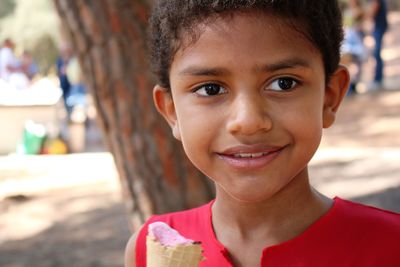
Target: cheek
(309, 133)
(196, 145)
(303, 114)
(197, 136)
(305, 130)
(197, 123)
(304, 123)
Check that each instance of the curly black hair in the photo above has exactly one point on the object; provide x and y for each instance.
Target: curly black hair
(319, 21)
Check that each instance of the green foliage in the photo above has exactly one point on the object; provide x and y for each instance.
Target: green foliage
(6, 7)
(34, 26)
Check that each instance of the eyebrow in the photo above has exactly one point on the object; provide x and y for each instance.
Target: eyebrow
(289, 63)
(200, 71)
(217, 71)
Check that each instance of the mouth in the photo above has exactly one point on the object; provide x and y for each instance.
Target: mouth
(250, 157)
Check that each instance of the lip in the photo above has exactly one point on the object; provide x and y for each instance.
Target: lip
(269, 153)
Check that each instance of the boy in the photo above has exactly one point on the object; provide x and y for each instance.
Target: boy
(247, 87)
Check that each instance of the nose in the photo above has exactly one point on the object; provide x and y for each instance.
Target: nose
(249, 115)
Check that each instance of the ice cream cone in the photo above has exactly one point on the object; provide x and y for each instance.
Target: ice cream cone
(186, 255)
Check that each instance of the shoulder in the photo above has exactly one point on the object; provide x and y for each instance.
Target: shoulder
(372, 214)
(370, 221)
(130, 250)
(358, 234)
(372, 234)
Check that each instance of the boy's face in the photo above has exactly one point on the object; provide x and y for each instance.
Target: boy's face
(248, 101)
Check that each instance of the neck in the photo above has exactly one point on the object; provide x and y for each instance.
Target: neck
(279, 218)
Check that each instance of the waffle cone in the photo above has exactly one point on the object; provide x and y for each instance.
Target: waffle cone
(177, 256)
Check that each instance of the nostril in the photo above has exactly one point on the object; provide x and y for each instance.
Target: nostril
(248, 114)
(249, 124)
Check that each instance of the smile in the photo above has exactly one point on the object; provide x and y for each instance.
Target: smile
(248, 158)
(250, 155)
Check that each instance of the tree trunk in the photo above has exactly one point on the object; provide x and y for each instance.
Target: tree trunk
(108, 37)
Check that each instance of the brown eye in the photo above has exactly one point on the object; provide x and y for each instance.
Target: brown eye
(210, 89)
(283, 84)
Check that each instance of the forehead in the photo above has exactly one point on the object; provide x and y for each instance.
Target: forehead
(245, 37)
(223, 22)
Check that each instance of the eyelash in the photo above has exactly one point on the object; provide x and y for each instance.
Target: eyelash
(204, 86)
(294, 82)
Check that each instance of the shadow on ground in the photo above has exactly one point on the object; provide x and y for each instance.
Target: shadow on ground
(368, 120)
(93, 238)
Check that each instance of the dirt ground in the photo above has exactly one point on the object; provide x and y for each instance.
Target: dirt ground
(67, 210)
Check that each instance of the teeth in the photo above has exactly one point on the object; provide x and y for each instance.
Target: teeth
(249, 155)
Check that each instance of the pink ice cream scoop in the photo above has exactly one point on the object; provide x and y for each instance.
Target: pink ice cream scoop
(167, 236)
(167, 248)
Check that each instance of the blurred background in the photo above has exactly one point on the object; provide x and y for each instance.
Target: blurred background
(60, 192)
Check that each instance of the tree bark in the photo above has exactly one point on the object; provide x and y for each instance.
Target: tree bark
(108, 37)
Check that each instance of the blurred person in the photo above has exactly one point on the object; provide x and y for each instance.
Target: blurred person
(353, 49)
(29, 65)
(76, 101)
(357, 15)
(8, 61)
(11, 68)
(61, 64)
(378, 13)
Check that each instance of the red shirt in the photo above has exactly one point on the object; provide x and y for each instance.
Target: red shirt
(349, 234)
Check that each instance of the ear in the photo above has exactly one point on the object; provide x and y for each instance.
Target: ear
(165, 106)
(334, 93)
